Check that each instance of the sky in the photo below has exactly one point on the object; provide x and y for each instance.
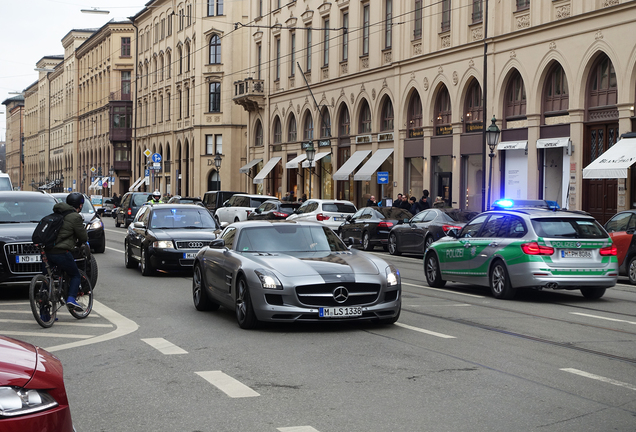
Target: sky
(32, 29)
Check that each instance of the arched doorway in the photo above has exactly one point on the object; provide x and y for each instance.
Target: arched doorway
(214, 181)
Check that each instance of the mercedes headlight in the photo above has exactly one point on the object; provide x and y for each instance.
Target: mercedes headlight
(163, 244)
(96, 224)
(268, 279)
(18, 401)
(392, 276)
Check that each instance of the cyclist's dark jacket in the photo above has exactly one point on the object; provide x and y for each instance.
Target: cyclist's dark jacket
(72, 230)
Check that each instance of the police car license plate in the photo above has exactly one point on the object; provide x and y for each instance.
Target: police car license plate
(576, 254)
(189, 255)
(340, 312)
(24, 259)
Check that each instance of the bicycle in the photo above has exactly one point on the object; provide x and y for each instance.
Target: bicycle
(48, 293)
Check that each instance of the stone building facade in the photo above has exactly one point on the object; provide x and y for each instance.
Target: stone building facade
(14, 107)
(398, 86)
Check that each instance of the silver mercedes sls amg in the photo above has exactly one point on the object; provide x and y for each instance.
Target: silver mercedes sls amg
(288, 271)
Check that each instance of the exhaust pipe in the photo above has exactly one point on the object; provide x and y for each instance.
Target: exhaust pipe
(552, 285)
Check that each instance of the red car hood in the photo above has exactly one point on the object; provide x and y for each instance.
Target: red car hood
(18, 361)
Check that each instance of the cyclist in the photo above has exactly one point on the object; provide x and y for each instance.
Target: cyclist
(155, 198)
(71, 233)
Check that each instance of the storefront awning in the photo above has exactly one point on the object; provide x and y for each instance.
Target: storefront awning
(136, 184)
(316, 159)
(293, 164)
(614, 162)
(372, 165)
(553, 142)
(352, 163)
(266, 169)
(513, 145)
(246, 168)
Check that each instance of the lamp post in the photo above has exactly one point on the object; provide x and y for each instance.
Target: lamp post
(492, 137)
(111, 173)
(311, 153)
(84, 182)
(62, 181)
(217, 164)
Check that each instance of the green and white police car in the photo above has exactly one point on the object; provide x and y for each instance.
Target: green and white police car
(526, 248)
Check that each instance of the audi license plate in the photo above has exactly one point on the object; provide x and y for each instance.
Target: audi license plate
(24, 259)
(189, 255)
(340, 312)
(576, 254)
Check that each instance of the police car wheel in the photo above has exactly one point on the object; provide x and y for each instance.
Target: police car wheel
(500, 282)
(631, 271)
(593, 293)
(432, 271)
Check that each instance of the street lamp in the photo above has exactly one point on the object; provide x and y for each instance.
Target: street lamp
(492, 136)
(311, 153)
(217, 164)
(84, 182)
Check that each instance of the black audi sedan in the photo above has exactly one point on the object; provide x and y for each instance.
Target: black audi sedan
(273, 210)
(370, 226)
(20, 213)
(415, 235)
(92, 222)
(168, 237)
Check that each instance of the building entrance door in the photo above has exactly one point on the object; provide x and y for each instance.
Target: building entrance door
(599, 195)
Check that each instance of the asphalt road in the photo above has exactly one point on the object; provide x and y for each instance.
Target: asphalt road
(457, 360)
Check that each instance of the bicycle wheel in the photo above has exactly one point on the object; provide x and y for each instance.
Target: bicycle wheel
(84, 298)
(42, 305)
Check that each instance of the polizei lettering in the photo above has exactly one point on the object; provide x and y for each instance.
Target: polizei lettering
(454, 253)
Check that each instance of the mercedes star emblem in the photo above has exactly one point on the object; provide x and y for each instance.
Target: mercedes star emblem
(340, 294)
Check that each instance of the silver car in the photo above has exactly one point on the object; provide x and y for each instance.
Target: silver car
(286, 271)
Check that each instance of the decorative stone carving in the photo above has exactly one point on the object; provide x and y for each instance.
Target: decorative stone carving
(440, 70)
(471, 63)
(425, 84)
(342, 93)
(353, 99)
(388, 57)
(365, 63)
(373, 94)
(553, 45)
(413, 75)
(283, 111)
(523, 21)
(607, 3)
(325, 73)
(445, 41)
(344, 68)
(384, 84)
(217, 119)
(417, 48)
(513, 54)
(455, 78)
(292, 82)
(362, 88)
(598, 35)
(306, 100)
(333, 101)
(477, 33)
(562, 11)
(208, 119)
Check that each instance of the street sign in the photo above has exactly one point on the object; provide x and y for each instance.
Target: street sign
(156, 166)
(93, 169)
(147, 152)
(156, 158)
(383, 177)
(147, 173)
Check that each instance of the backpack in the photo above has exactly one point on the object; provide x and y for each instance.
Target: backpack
(48, 229)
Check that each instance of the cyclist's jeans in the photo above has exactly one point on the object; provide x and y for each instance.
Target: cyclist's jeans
(66, 262)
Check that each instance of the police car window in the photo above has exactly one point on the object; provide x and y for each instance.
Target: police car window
(473, 228)
(513, 227)
(568, 228)
(618, 222)
(491, 228)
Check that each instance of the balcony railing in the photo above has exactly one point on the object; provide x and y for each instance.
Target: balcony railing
(118, 95)
(249, 93)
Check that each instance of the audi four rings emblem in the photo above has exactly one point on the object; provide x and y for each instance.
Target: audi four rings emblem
(194, 245)
(340, 294)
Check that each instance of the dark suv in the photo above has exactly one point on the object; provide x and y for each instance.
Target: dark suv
(130, 205)
(213, 200)
(20, 213)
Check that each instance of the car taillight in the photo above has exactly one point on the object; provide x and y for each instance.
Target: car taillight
(322, 217)
(609, 250)
(385, 224)
(279, 214)
(535, 249)
(447, 228)
(129, 211)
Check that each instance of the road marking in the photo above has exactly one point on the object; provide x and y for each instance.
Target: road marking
(116, 231)
(443, 290)
(227, 384)
(599, 378)
(75, 324)
(603, 318)
(113, 249)
(14, 311)
(432, 333)
(298, 429)
(123, 326)
(44, 333)
(439, 305)
(164, 347)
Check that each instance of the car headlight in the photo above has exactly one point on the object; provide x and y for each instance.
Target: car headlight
(268, 279)
(163, 244)
(18, 401)
(96, 224)
(392, 276)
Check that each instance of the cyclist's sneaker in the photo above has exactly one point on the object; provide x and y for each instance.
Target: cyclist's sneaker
(45, 315)
(71, 303)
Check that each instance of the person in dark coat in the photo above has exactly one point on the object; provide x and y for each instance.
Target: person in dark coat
(71, 233)
(423, 204)
(398, 201)
(414, 207)
(429, 199)
(405, 203)
(371, 202)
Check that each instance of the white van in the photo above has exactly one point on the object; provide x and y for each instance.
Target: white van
(5, 182)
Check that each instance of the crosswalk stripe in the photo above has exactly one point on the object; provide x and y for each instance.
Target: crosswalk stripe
(164, 347)
(298, 429)
(432, 333)
(74, 324)
(603, 318)
(227, 384)
(46, 334)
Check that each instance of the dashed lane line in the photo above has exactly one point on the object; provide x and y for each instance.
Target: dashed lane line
(443, 290)
(428, 332)
(603, 318)
(227, 384)
(298, 429)
(164, 347)
(599, 378)
(113, 249)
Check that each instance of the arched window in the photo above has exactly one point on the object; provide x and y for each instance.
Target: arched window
(278, 131)
(556, 98)
(161, 68)
(308, 127)
(345, 122)
(154, 71)
(325, 123)
(180, 53)
(414, 115)
(169, 64)
(603, 88)
(443, 111)
(473, 108)
(258, 135)
(291, 130)
(365, 118)
(187, 57)
(215, 50)
(515, 97)
(387, 115)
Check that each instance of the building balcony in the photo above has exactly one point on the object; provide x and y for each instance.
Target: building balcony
(250, 94)
(119, 96)
(121, 165)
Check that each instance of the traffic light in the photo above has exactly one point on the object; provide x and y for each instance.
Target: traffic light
(99, 171)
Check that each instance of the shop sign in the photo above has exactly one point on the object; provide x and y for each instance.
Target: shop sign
(444, 130)
(416, 133)
(474, 127)
(385, 137)
(307, 144)
(362, 139)
(324, 143)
